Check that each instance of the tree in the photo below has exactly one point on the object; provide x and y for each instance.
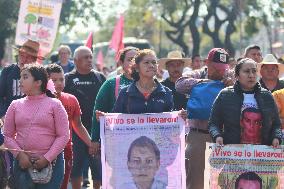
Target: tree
(73, 10)
(221, 19)
(30, 19)
(230, 11)
(8, 18)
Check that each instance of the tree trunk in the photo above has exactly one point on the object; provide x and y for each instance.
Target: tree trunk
(194, 30)
(231, 28)
(178, 40)
(218, 23)
(2, 46)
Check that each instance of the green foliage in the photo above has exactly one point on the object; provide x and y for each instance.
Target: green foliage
(8, 19)
(250, 26)
(249, 14)
(30, 19)
(74, 9)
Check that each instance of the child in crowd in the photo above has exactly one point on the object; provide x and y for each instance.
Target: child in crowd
(71, 104)
(36, 128)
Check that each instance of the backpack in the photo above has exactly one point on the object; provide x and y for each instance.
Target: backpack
(201, 99)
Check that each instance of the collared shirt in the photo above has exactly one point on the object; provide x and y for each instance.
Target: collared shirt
(180, 100)
(279, 85)
(184, 86)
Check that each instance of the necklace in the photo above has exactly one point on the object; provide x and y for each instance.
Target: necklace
(145, 89)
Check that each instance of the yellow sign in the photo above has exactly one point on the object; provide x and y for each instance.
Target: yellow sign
(40, 10)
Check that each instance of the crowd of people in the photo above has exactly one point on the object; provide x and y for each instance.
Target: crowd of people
(50, 114)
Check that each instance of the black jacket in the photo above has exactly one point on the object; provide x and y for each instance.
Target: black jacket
(180, 100)
(9, 87)
(226, 112)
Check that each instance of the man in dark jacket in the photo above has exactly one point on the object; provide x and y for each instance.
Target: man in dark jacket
(175, 63)
(10, 76)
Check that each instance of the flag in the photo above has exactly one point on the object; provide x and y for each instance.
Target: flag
(100, 60)
(116, 42)
(89, 42)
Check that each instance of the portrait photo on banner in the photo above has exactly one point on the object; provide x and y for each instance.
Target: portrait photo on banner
(244, 167)
(142, 150)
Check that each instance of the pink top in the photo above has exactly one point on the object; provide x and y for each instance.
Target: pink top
(38, 124)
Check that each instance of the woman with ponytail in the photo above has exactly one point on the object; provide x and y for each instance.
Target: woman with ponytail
(145, 94)
(36, 129)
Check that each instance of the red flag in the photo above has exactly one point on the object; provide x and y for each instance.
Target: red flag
(116, 42)
(89, 42)
(100, 60)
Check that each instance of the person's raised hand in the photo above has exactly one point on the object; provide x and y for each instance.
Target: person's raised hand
(99, 114)
(183, 114)
(219, 141)
(275, 143)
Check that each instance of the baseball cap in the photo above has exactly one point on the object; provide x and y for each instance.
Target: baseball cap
(218, 55)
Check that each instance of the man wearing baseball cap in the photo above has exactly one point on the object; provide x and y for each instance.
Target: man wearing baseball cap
(216, 69)
(174, 64)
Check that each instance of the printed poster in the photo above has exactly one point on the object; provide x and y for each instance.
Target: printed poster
(244, 166)
(38, 20)
(143, 149)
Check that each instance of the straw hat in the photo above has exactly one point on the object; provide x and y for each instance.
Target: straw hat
(269, 59)
(30, 47)
(173, 55)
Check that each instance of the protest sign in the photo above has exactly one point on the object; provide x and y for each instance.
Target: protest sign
(143, 149)
(38, 20)
(233, 166)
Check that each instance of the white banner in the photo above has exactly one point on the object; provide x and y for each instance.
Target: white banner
(239, 166)
(143, 149)
(38, 20)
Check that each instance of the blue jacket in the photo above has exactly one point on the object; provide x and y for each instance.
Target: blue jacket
(69, 67)
(131, 101)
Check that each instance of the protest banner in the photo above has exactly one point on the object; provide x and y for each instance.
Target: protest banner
(38, 20)
(234, 166)
(142, 149)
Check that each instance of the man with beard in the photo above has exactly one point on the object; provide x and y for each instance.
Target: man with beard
(175, 63)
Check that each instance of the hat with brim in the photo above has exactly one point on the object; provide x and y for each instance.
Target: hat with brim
(30, 47)
(174, 56)
(269, 59)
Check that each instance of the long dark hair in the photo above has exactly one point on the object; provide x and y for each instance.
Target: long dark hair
(138, 58)
(39, 73)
